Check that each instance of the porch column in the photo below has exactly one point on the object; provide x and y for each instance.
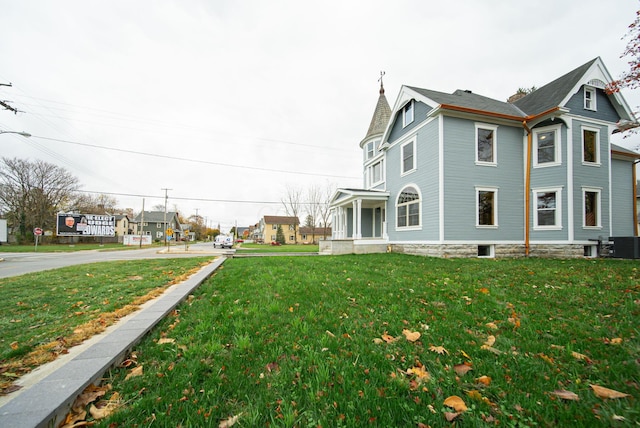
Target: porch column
(357, 219)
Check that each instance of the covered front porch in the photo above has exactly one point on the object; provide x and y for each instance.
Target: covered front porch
(359, 214)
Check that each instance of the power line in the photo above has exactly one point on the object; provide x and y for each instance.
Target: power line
(192, 160)
(179, 198)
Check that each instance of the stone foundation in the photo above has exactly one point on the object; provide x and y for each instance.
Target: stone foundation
(558, 251)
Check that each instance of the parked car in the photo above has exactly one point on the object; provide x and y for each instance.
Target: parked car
(223, 241)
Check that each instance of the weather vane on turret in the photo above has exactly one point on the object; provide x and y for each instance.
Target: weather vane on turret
(382, 73)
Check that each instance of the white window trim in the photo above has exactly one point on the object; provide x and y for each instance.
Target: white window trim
(557, 143)
(558, 192)
(597, 131)
(415, 162)
(495, 207)
(419, 202)
(598, 192)
(411, 108)
(493, 128)
(370, 175)
(592, 91)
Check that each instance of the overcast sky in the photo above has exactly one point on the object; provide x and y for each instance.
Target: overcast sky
(238, 100)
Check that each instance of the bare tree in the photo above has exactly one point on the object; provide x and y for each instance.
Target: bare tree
(32, 193)
(324, 211)
(314, 208)
(94, 204)
(293, 205)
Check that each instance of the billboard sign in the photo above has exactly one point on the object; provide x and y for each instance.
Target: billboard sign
(86, 225)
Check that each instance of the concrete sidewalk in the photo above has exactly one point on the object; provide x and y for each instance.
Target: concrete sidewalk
(46, 401)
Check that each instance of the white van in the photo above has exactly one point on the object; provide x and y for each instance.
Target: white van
(223, 241)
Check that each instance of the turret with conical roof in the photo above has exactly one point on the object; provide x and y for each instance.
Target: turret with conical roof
(380, 119)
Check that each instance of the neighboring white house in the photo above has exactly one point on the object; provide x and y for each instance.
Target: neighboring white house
(465, 175)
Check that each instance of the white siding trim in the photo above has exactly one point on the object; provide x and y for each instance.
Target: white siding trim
(441, 178)
(570, 178)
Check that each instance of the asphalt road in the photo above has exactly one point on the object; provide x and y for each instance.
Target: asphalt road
(14, 264)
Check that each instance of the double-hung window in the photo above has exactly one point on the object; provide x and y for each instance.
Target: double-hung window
(591, 210)
(408, 153)
(375, 173)
(590, 146)
(487, 207)
(407, 114)
(408, 208)
(486, 144)
(369, 150)
(546, 150)
(590, 98)
(547, 212)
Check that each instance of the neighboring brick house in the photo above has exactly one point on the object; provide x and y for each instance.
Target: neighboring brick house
(268, 228)
(312, 235)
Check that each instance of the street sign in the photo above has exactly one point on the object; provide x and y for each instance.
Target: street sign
(37, 231)
(169, 231)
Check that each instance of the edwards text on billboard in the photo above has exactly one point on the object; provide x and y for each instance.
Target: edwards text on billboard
(86, 225)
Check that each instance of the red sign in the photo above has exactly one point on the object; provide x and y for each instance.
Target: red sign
(37, 231)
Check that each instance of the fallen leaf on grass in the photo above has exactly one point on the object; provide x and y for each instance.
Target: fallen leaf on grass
(603, 392)
(490, 340)
(492, 325)
(450, 416)
(579, 356)
(388, 338)
(419, 371)
(133, 373)
(616, 341)
(229, 422)
(462, 369)
(456, 403)
(411, 336)
(438, 350)
(484, 290)
(14, 345)
(566, 395)
(89, 395)
(485, 380)
(164, 340)
(105, 408)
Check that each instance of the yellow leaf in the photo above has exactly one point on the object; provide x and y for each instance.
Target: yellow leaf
(492, 325)
(579, 356)
(603, 392)
(616, 341)
(491, 349)
(133, 373)
(411, 336)
(464, 354)
(14, 345)
(164, 340)
(420, 373)
(490, 340)
(378, 341)
(566, 395)
(105, 408)
(456, 403)
(438, 350)
(290, 308)
(450, 416)
(484, 290)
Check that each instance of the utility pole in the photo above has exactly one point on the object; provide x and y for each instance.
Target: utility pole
(141, 222)
(5, 102)
(164, 232)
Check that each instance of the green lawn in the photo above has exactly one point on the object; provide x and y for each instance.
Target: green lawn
(332, 342)
(42, 314)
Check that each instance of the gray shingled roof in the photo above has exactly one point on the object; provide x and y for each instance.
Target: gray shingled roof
(380, 118)
(468, 99)
(551, 94)
(155, 216)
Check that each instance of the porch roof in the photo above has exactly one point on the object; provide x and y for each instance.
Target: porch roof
(368, 197)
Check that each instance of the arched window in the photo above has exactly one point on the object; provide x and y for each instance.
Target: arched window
(408, 208)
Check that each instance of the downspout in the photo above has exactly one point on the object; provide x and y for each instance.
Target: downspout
(527, 188)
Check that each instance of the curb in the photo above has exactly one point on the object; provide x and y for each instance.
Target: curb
(46, 403)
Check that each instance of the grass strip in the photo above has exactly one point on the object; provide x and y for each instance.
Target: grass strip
(43, 314)
(324, 341)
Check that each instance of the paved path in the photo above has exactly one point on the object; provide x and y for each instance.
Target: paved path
(49, 391)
